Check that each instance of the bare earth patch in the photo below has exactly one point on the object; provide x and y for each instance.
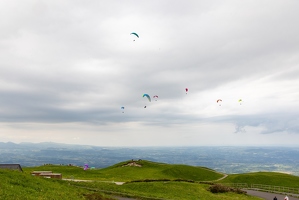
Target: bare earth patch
(132, 164)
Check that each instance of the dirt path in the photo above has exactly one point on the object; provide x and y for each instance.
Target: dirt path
(78, 180)
(225, 175)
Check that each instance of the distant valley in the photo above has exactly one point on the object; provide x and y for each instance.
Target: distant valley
(223, 159)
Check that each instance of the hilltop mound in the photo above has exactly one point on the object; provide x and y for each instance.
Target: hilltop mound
(132, 170)
(143, 169)
(132, 164)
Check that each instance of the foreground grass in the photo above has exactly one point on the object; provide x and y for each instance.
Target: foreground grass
(17, 185)
(166, 190)
(265, 178)
(21, 186)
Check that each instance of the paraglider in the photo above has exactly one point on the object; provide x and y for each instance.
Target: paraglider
(186, 89)
(147, 96)
(155, 97)
(240, 101)
(122, 108)
(85, 166)
(219, 101)
(135, 34)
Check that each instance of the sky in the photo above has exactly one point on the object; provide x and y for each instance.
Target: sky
(67, 67)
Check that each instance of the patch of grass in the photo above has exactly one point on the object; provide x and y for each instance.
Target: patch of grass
(166, 190)
(21, 186)
(265, 178)
(68, 172)
(191, 173)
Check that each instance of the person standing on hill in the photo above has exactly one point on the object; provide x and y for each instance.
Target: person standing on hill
(286, 198)
(275, 198)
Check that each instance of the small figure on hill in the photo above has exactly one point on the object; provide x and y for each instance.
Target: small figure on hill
(286, 198)
(275, 198)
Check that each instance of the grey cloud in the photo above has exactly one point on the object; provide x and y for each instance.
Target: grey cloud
(270, 122)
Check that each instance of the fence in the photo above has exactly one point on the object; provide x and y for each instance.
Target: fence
(273, 188)
(236, 185)
(266, 188)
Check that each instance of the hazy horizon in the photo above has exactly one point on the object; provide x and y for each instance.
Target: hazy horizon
(227, 159)
(152, 146)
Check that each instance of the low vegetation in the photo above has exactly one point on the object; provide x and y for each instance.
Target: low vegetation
(16, 185)
(142, 180)
(165, 190)
(265, 178)
(218, 188)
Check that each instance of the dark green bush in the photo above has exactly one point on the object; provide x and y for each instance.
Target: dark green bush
(184, 180)
(150, 180)
(218, 188)
(96, 196)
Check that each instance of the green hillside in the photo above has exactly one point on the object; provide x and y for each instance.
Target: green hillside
(166, 190)
(265, 178)
(153, 170)
(16, 185)
(142, 179)
(143, 170)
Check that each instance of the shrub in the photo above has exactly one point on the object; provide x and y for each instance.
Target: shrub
(184, 180)
(150, 180)
(218, 188)
(96, 196)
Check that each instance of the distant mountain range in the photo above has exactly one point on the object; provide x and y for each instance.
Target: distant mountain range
(220, 158)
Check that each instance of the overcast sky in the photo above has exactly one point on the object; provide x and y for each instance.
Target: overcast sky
(67, 67)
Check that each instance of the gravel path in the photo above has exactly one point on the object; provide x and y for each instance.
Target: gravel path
(264, 195)
(268, 196)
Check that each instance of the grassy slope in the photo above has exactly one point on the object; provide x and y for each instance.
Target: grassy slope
(265, 178)
(166, 190)
(152, 170)
(16, 185)
(23, 186)
(149, 170)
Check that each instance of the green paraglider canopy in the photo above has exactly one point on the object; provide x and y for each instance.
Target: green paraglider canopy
(135, 34)
(147, 96)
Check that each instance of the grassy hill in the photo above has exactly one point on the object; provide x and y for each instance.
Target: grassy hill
(18, 185)
(152, 170)
(144, 170)
(15, 185)
(265, 178)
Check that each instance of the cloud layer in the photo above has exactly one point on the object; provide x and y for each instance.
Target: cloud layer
(68, 67)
